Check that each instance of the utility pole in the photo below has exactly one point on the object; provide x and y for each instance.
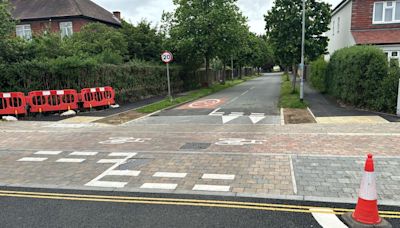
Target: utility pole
(302, 52)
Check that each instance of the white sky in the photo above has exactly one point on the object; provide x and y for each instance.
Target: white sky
(135, 10)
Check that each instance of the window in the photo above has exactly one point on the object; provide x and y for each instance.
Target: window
(338, 24)
(66, 29)
(386, 12)
(24, 31)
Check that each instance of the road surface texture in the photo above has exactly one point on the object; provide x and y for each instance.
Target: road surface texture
(252, 102)
(45, 208)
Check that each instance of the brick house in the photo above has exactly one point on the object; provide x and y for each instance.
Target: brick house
(366, 22)
(64, 16)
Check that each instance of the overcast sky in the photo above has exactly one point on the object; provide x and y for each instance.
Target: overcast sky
(135, 10)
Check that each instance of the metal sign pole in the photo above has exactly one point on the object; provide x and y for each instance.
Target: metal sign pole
(398, 101)
(302, 51)
(169, 84)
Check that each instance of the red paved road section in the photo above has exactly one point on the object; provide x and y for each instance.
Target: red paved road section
(204, 104)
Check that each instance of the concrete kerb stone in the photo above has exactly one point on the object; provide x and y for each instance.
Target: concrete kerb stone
(205, 193)
(312, 114)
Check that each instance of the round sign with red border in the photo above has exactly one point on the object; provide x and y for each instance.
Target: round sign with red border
(167, 57)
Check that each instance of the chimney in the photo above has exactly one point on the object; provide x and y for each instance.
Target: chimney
(117, 14)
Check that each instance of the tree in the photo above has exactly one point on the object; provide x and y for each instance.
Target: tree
(144, 42)
(205, 28)
(284, 29)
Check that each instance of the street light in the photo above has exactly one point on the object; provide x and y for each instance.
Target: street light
(302, 52)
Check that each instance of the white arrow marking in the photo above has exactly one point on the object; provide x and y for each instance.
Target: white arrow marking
(256, 119)
(226, 119)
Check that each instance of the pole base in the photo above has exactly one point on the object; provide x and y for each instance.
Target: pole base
(348, 219)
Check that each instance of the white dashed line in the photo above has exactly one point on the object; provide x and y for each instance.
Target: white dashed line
(107, 161)
(48, 152)
(244, 93)
(211, 188)
(70, 160)
(132, 173)
(29, 159)
(122, 154)
(170, 175)
(79, 153)
(326, 218)
(107, 184)
(293, 176)
(159, 186)
(218, 176)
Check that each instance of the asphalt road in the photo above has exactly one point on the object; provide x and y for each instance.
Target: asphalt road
(252, 102)
(117, 209)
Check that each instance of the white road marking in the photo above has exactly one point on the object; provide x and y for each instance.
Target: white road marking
(239, 142)
(70, 160)
(282, 117)
(106, 161)
(170, 175)
(48, 152)
(159, 186)
(29, 159)
(218, 176)
(252, 87)
(292, 174)
(327, 219)
(211, 188)
(96, 181)
(226, 119)
(122, 154)
(236, 114)
(79, 153)
(123, 140)
(256, 119)
(233, 100)
(244, 93)
(132, 173)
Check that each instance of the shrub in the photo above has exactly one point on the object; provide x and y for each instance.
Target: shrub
(355, 75)
(318, 74)
(389, 89)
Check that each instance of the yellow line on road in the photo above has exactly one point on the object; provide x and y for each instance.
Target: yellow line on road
(185, 202)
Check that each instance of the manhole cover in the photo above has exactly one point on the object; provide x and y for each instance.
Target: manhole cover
(195, 146)
(132, 164)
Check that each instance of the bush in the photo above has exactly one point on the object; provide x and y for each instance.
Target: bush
(355, 75)
(318, 74)
(389, 89)
(131, 81)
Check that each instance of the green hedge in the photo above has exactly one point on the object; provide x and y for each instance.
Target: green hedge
(131, 81)
(359, 76)
(318, 74)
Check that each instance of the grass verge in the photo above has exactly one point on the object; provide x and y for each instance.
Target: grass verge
(193, 95)
(289, 99)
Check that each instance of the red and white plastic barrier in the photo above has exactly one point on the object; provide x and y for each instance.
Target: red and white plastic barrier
(97, 97)
(53, 100)
(13, 103)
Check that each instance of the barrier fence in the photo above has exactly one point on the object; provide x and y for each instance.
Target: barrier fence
(16, 103)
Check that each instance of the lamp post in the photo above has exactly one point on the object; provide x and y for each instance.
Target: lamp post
(302, 52)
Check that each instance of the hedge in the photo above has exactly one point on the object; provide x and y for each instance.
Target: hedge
(131, 81)
(318, 74)
(359, 76)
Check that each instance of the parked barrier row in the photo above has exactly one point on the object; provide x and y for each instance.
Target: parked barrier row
(16, 103)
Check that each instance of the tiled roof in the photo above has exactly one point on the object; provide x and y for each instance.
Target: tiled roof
(377, 36)
(39, 9)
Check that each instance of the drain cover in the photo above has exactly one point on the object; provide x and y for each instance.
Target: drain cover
(133, 164)
(195, 146)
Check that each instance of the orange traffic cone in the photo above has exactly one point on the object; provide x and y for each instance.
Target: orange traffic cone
(366, 213)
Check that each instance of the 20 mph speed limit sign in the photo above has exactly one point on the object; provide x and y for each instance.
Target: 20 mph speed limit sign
(167, 57)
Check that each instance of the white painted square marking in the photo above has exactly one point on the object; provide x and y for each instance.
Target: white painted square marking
(218, 176)
(107, 161)
(122, 154)
(211, 188)
(79, 153)
(48, 152)
(170, 175)
(29, 159)
(107, 184)
(132, 173)
(159, 186)
(6, 95)
(70, 160)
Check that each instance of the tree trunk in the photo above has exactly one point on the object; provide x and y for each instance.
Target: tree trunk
(240, 72)
(224, 74)
(208, 71)
(287, 73)
(294, 73)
